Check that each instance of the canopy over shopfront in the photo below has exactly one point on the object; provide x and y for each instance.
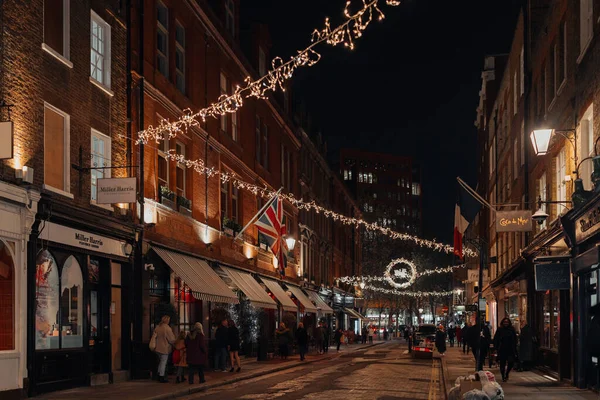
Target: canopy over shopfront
(319, 302)
(354, 314)
(251, 288)
(199, 276)
(286, 302)
(309, 307)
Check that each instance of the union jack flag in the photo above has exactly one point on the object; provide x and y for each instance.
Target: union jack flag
(271, 226)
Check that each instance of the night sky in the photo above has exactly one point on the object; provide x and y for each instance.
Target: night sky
(410, 87)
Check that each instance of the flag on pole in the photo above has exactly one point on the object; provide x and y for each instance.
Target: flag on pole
(465, 211)
(270, 225)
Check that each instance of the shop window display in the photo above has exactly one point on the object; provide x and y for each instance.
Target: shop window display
(7, 299)
(551, 307)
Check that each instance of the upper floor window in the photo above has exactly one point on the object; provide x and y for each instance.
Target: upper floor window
(180, 173)
(416, 189)
(522, 69)
(561, 183)
(586, 24)
(180, 57)
(286, 168)
(57, 150)
(162, 38)
(560, 57)
(587, 146)
(262, 62)
(100, 50)
(56, 29)
(163, 163)
(100, 158)
(230, 16)
(229, 121)
(515, 93)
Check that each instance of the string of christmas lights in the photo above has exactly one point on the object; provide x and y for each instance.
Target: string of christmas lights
(400, 273)
(280, 72)
(407, 293)
(199, 166)
(363, 279)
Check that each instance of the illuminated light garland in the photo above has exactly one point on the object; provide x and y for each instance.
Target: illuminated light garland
(363, 279)
(410, 294)
(281, 72)
(390, 279)
(264, 192)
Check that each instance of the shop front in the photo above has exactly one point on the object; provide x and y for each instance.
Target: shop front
(17, 210)
(78, 331)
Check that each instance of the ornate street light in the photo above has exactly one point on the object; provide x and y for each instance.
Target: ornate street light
(291, 243)
(540, 138)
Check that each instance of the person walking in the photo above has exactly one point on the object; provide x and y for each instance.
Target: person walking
(302, 338)
(458, 335)
(337, 338)
(478, 339)
(527, 346)
(371, 334)
(221, 343)
(164, 340)
(319, 333)
(451, 335)
(505, 343)
(180, 357)
(283, 336)
(364, 333)
(233, 344)
(196, 352)
(440, 340)
(465, 338)
(326, 338)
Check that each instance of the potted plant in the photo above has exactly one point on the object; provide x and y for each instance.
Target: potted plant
(167, 197)
(184, 206)
(231, 227)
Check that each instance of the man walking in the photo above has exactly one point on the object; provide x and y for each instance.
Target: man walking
(221, 340)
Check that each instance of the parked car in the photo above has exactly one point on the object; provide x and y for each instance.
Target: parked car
(424, 340)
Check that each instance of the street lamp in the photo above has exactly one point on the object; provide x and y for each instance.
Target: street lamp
(291, 243)
(540, 138)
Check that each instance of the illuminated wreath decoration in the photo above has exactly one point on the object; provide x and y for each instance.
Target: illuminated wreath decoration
(410, 276)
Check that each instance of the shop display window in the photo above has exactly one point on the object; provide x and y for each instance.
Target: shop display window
(58, 303)
(7, 299)
(551, 308)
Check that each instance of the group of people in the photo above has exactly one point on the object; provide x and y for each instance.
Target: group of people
(321, 335)
(189, 350)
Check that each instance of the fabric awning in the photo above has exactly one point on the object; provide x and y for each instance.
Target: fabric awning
(353, 314)
(301, 297)
(251, 288)
(286, 302)
(199, 276)
(319, 302)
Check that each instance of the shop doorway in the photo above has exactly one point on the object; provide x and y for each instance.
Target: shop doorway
(592, 298)
(99, 340)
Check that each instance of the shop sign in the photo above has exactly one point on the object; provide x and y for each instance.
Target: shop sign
(83, 240)
(513, 221)
(473, 275)
(588, 224)
(552, 276)
(6, 140)
(116, 190)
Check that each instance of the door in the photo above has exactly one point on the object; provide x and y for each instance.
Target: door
(592, 298)
(99, 348)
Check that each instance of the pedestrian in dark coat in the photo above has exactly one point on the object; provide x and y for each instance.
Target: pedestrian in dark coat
(326, 338)
(302, 339)
(319, 333)
(337, 338)
(196, 352)
(459, 335)
(479, 339)
(451, 335)
(221, 344)
(505, 343)
(527, 346)
(284, 337)
(233, 345)
(440, 340)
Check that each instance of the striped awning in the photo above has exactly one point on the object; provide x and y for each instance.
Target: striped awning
(309, 307)
(319, 302)
(251, 288)
(286, 302)
(198, 276)
(354, 314)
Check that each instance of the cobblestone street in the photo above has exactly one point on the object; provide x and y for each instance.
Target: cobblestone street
(384, 372)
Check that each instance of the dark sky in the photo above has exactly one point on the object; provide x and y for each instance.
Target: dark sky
(410, 87)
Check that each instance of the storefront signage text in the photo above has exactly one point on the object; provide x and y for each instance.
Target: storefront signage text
(116, 190)
(513, 221)
(552, 276)
(83, 240)
(587, 225)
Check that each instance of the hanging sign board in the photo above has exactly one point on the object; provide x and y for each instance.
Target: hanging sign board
(116, 190)
(513, 221)
(552, 276)
(6, 140)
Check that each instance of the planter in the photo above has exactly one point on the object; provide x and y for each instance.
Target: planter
(169, 203)
(228, 231)
(263, 246)
(185, 211)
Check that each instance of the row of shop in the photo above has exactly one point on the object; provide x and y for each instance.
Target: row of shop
(569, 249)
(69, 297)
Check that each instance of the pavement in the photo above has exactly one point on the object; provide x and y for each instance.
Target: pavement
(251, 369)
(528, 385)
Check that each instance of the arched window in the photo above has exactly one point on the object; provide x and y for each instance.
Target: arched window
(46, 302)
(71, 304)
(7, 299)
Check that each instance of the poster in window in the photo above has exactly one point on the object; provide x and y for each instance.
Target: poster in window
(46, 302)
(94, 270)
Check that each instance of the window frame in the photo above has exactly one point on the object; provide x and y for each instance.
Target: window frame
(180, 166)
(262, 61)
(164, 30)
(180, 50)
(224, 90)
(107, 156)
(230, 17)
(561, 173)
(161, 153)
(65, 56)
(106, 57)
(67, 153)
(11, 282)
(586, 13)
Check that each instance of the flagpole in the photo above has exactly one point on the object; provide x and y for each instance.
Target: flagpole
(258, 214)
(474, 194)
